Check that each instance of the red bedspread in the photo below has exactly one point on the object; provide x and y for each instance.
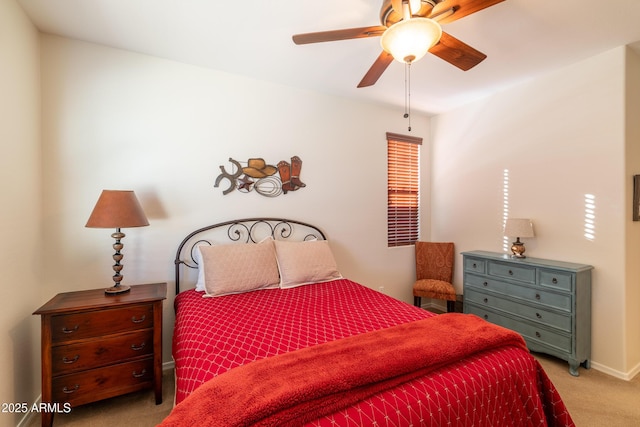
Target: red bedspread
(499, 387)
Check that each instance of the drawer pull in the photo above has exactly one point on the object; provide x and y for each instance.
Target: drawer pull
(538, 334)
(539, 316)
(554, 281)
(486, 300)
(139, 374)
(485, 283)
(474, 265)
(486, 317)
(134, 319)
(138, 347)
(538, 297)
(69, 391)
(66, 330)
(70, 361)
(510, 272)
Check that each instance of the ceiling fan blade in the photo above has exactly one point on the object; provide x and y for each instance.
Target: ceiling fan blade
(461, 8)
(346, 34)
(376, 70)
(457, 52)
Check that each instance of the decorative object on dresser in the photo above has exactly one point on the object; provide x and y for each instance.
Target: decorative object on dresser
(548, 302)
(518, 227)
(434, 273)
(96, 346)
(117, 209)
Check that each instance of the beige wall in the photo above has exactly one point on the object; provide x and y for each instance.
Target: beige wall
(20, 208)
(120, 120)
(560, 137)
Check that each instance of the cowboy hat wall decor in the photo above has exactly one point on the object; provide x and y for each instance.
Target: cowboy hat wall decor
(267, 180)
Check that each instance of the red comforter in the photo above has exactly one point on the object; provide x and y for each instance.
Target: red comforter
(503, 386)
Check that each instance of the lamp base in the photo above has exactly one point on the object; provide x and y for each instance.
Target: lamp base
(119, 289)
(517, 248)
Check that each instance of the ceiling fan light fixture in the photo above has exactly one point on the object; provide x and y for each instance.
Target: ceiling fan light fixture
(410, 39)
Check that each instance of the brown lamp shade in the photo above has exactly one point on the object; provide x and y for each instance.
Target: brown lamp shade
(117, 209)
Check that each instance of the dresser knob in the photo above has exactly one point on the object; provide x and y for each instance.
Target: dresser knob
(486, 317)
(538, 296)
(485, 283)
(486, 300)
(474, 265)
(69, 391)
(70, 331)
(139, 374)
(538, 315)
(554, 281)
(137, 347)
(70, 361)
(134, 319)
(538, 334)
(510, 272)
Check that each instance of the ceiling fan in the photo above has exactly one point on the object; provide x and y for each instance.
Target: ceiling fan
(425, 16)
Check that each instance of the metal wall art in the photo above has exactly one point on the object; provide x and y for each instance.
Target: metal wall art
(265, 179)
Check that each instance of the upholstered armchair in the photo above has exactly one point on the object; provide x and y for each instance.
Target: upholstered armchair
(434, 273)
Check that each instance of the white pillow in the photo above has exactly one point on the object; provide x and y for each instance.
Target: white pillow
(303, 263)
(198, 259)
(238, 268)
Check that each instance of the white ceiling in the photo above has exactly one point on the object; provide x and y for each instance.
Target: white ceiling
(522, 38)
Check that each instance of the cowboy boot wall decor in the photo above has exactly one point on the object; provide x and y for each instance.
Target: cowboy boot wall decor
(296, 166)
(284, 168)
(267, 180)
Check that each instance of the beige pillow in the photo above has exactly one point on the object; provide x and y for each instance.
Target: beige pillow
(303, 263)
(238, 268)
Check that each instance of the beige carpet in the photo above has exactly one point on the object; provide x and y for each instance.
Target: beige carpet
(594, 400)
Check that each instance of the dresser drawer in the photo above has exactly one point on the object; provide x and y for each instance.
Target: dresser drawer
(556, 279)
(531, 332)
(475, 265)
(100, 352)
(70, 327)
(530, 313)
(512, 272)
(101, 383)
(529, 294)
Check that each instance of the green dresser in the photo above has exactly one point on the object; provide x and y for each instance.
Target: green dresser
(547, 302)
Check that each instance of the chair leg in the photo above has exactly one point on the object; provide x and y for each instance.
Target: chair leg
(451, 306)
(417, 301)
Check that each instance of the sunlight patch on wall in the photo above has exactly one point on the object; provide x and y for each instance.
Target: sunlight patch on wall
(590, 216)
(505, 208)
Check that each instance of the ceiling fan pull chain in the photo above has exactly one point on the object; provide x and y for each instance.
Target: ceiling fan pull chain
(407, 93)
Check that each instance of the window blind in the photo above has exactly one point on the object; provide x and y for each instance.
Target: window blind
(403, 189)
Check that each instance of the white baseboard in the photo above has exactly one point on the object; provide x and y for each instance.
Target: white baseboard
(627, 376)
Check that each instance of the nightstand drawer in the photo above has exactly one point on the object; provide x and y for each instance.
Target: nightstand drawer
(71, 327)
(102, 383)
(531, 313)
(101, 352)
(531, 332)
(512, 272)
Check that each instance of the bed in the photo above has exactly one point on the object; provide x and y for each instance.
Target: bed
(274, 335)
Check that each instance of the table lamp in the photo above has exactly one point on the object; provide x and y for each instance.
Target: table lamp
(518, 227)
(117, 209)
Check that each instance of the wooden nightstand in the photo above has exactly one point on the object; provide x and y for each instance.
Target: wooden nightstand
(96, 346)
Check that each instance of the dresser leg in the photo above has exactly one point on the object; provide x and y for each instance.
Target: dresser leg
(573, 368)
(47, 418)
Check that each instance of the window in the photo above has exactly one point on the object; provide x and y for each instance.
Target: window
(403, 187)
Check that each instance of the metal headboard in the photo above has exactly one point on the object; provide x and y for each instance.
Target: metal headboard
(248, 230)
